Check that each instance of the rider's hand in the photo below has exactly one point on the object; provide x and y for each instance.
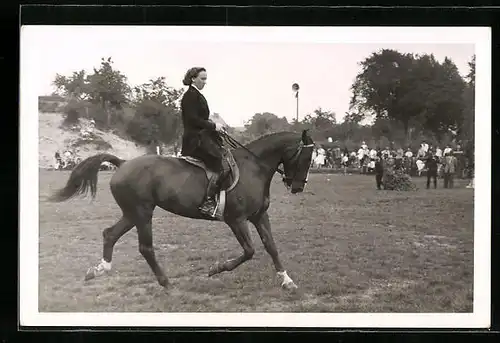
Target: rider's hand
(219, 127)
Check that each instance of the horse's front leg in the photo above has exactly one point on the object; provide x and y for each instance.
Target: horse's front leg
(240, 230)
(263, 227)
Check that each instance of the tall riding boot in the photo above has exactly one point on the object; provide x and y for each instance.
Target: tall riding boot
(223, 175)
(209, 204)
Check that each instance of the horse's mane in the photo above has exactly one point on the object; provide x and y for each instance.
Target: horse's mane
(270, 136)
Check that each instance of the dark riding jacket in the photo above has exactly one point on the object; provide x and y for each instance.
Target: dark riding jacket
(432, 164)
(195, 114)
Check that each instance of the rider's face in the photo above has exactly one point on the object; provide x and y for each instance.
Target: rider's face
(200, 80)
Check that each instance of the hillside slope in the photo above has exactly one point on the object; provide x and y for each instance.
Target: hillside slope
(53, 138)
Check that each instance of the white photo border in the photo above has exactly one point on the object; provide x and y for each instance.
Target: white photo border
(32, 41)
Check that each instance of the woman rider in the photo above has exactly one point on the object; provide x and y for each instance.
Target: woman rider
(201, 138)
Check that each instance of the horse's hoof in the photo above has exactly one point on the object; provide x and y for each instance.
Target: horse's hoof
(164, 282)
(90, 274)
(215, 269)
(289, 286)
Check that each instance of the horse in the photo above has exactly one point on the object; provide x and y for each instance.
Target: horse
(145, 182)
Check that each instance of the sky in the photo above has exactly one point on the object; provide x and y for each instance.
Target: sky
(249, 71)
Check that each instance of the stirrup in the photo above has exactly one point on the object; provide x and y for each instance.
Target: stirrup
(209, 207)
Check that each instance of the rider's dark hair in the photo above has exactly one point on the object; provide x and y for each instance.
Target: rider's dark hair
(192, 72)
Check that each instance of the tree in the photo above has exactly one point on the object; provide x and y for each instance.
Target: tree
(385, 87)
(466, 130)
(471, 76)
(74, 86)
(320, 122)
(157, 90)
(444, 104)
(353, 117)
(410, 89)
(265, 123)
(157, 117)
(108, 88)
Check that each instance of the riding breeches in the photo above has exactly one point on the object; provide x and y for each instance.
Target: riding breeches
(211, 154)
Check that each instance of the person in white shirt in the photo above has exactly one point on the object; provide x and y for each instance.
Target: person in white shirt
(447, 150)
(320, 157)
(421, 152)
(399, 153)
(439, 152)
(408, 153)
(361, 153)
(420, 166)
(425, 147)
(385, 152)
(373, 154)
(313, 159)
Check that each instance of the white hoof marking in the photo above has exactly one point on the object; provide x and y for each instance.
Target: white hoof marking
(287, 281)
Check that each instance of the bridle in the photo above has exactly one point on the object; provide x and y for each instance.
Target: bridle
(293, 160)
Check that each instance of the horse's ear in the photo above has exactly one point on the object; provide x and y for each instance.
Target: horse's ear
(304, 136)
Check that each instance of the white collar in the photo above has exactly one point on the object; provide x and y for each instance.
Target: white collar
(194, 86)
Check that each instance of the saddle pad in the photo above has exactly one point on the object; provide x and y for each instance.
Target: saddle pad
(233, 166)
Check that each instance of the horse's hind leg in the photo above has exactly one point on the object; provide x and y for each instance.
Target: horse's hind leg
(240, 230)
(110, 236)
(263, 227)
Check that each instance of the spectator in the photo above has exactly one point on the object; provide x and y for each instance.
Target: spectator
(361, 154)
(439, 153)
(447, 150)
(471, 184)
(313, 158)
(408, 153)
(432, 166)
(425, 146)
(399, 153)
(58, 160)
(344, 161)
(385, 152)
(421, 152)
(450, 166)
(420, 166)
(379, 170)
(320, 157)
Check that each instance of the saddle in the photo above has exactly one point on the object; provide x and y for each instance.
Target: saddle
(229, 183)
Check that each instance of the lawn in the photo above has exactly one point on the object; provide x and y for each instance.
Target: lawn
(348, 246)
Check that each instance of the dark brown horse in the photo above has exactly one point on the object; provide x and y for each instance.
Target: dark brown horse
(141, 184)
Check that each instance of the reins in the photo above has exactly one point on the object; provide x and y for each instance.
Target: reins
(234, 144)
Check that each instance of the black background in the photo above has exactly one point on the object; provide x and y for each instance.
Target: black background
(11, 16)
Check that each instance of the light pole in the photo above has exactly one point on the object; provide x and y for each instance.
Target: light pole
(295, 88)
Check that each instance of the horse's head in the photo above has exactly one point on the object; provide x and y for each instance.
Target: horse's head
(296, 162)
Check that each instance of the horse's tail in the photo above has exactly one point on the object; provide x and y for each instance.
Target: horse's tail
(84, 176)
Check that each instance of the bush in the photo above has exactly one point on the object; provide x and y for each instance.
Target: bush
(399, 181)
(154, 122)
(93, 139)
(73, 111)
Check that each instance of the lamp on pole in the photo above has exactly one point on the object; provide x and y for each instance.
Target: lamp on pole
(295, 88)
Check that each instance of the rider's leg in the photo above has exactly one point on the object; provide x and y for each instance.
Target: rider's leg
(211, 155)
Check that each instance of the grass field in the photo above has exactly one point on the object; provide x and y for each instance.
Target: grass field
(349, 248)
